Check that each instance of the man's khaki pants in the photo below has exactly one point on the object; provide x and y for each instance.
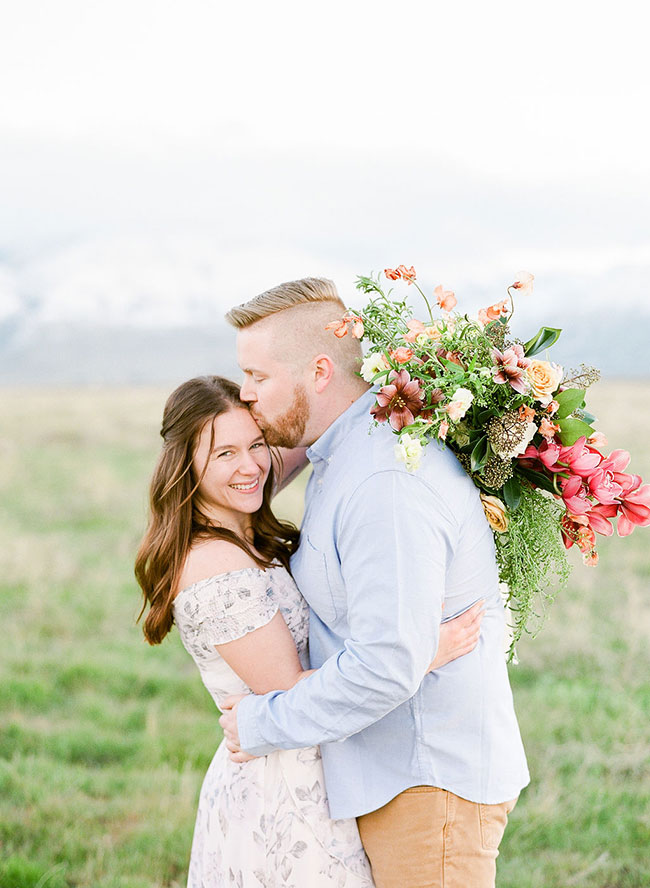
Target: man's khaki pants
(430, 838)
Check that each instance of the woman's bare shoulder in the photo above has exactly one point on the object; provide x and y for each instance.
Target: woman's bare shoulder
(209, 558)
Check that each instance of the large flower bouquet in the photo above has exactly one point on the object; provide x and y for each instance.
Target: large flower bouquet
(517, 422)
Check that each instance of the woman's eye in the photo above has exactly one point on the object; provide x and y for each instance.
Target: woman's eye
(258, 379)
(224, 453)
(258, 444)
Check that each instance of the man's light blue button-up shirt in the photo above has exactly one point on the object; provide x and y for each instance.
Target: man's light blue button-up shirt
(381, 550)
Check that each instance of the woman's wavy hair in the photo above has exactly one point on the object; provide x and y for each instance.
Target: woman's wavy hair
(176, 520)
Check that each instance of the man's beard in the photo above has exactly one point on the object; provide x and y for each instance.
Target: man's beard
(287, 430)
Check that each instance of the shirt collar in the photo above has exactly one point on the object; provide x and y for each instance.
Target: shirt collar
(335, 434)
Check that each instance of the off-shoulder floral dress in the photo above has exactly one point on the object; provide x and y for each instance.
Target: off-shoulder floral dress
(265, 823)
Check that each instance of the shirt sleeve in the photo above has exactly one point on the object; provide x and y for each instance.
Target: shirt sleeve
(395, 541)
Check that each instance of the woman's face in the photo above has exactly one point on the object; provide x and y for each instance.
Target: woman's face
(237, 467)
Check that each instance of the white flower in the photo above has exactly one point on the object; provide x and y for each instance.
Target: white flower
(459, 405)
(409, 451)
(372, 365)
(531, 430)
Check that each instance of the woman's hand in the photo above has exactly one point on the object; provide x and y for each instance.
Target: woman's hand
(459, 636)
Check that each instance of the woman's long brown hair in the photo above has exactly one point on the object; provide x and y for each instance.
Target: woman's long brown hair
(176, 521)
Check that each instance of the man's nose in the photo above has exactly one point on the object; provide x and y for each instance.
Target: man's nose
(246, 393)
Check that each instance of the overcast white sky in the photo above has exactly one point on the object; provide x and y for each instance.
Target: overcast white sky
(469, 138)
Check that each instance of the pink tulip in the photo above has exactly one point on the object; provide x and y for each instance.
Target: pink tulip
(574, 495)
(598, 516)
(603, 487)
(635, 506)
(581, 459)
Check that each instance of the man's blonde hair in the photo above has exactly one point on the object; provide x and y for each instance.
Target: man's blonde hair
(287, 295)
(310, 304)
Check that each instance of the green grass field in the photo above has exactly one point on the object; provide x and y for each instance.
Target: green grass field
(104, 740)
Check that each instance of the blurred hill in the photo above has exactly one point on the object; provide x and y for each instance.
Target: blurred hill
(127, 311)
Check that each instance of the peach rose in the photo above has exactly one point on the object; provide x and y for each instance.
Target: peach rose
(545, 379)
(495, 512)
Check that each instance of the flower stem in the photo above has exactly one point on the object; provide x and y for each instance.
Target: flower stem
(425, 299)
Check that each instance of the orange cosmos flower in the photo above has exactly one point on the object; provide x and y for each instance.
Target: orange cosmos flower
(340, 328)
(524, 283)
(547, 429)
(494, 312)
(415, 328)
(402, 354)
(407, 274)
(445, 298)
(526, 414)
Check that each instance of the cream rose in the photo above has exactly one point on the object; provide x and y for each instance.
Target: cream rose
(409, 451)
(495, 512)
(545, 379)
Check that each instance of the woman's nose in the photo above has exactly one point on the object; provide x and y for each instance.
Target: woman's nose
(248, 464)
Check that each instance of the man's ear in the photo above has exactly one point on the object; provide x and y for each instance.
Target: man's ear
(323, 369)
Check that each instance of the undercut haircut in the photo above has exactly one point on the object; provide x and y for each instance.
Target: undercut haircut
(310, 304)
(287, 295)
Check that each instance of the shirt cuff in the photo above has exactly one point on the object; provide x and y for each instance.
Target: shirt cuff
(250, 736)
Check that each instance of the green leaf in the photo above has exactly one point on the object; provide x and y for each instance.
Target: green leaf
(479, 454)
(585, 416)
(544, 338)
(569, 400)
(485, 415)
(571, 429)
(536, 478)
(512, 493)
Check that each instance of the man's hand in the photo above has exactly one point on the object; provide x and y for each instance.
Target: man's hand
(459, 636)
(228, 722)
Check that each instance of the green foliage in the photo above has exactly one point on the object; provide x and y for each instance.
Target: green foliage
(571, 429)
(543, 339)
(532, 560)
(75, 673)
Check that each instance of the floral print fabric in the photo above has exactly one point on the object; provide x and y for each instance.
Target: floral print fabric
(265, 823)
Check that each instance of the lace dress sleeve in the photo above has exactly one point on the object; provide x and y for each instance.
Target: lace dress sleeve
(224, 608)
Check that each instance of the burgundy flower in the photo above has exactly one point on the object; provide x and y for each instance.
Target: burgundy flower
(399, 402)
